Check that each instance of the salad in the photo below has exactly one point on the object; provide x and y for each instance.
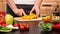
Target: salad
(46, 26)
(49, 23)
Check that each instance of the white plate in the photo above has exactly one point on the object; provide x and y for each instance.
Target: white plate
(19, 19)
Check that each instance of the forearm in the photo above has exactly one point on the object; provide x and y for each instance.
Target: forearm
(12, 4)
(38, 2)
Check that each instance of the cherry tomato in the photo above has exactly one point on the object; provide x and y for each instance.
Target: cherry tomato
(15, 25)
(27, 26)
(24, 24)
(22, 27)
(20, 24)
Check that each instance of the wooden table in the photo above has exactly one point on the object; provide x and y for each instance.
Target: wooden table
(33, 30)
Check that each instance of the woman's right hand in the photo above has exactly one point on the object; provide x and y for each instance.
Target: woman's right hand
(19, 12)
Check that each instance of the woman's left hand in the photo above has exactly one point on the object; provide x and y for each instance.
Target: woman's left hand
(36, 9)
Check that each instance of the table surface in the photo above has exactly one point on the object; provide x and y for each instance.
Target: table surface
(33, 30)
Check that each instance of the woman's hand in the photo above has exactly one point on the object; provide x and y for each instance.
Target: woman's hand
(19, 12)
(36, 9)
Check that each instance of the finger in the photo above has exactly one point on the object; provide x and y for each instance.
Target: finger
(20, 14)
(32, 10)
(37, 12)
(24, 13)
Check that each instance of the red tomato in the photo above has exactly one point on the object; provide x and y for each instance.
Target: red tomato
(2, 21)
(4, 25)
(20, 24)
(22, 27)
(2, 14)
(15, 25)
(27, 26)
(24, 24)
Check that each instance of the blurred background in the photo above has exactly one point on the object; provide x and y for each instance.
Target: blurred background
(2, 5)
(46, 7)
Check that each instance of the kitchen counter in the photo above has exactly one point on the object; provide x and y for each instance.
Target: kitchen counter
(33, 30)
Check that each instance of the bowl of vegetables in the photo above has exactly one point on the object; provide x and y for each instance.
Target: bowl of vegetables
(50, 22)
(45, 26)
(30, 19)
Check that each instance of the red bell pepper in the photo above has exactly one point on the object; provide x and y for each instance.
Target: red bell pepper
(56, 26)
